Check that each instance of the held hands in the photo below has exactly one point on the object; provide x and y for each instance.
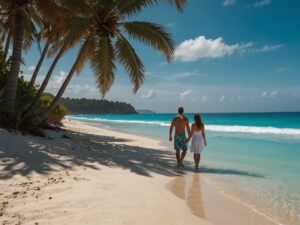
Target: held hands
(205, 143)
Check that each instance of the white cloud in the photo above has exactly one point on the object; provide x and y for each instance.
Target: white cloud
(222, 98)
(261, 3)
(264, 94)
(202, 48)
(273, 94)
(185, 94)
(270, 48)
(58, 79)
(171, 25)
(150, 95)
(203, 99)
(229, 2)
(31, 68)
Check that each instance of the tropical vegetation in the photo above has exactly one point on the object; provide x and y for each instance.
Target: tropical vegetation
(100, 30)
(96, 106)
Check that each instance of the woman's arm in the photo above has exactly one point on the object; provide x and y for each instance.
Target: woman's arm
(203, 135)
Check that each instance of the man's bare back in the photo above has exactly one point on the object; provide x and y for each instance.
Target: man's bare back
(180, 123)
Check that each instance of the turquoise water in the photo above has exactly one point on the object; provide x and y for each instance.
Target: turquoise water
(255, 155)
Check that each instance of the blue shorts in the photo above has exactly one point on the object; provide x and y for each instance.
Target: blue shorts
(179, 142)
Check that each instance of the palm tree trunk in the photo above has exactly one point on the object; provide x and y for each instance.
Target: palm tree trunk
(7, 44)
(36, 99)
(43, 115)
(12, 79)
(38, 66)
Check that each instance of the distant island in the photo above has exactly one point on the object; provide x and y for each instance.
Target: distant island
(145, 111)
(94, 106)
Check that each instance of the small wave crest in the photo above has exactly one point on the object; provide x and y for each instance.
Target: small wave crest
(217, 128)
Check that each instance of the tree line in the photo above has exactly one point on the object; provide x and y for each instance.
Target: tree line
(95, 106)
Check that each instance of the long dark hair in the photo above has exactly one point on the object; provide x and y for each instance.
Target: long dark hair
(198, 121)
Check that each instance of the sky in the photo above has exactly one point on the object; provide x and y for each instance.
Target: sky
(231, 56)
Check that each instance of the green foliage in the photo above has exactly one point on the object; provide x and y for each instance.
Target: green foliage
(57, 114)
(94, 106)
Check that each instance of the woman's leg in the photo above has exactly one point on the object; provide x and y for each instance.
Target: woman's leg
(197, 160)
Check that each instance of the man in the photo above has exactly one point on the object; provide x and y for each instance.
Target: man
(181, 123)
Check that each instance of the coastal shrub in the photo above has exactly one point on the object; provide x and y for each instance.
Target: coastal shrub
(57, 114)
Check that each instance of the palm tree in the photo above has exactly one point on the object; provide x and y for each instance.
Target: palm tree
(102, 26)
(22, 12)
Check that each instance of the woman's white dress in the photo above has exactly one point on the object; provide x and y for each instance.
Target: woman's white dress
(197, 144)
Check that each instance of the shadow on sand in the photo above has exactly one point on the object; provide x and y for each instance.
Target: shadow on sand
(43, 156)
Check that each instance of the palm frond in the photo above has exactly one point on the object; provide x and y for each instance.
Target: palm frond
(131, 62)
(179, 4)
(153, 35)
(86, 52)
(133, 7)
(103, 65)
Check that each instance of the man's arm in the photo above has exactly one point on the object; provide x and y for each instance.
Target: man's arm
(187, 125)
(171, 130)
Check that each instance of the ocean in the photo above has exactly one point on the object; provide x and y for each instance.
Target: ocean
(253, 158)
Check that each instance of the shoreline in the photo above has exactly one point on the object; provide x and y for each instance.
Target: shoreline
(55, 181)
(209, 182)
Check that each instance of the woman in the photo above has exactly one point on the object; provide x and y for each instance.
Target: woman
(198, 139)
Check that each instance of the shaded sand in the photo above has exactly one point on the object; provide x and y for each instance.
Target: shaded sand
(89, 175)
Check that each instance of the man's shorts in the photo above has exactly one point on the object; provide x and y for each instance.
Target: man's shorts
(179, 142)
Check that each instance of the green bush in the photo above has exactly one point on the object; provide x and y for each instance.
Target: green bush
(59, 112)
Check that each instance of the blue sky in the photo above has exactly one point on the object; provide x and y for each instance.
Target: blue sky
(231, 56)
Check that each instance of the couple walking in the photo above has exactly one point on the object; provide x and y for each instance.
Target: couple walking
(196, 133)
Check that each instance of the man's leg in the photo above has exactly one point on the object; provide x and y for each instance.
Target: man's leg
(183, 153)
(178, 158)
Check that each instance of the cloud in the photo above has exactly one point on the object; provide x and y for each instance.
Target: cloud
(261, 3)
(185, 94)
(222, 98)
(31, 68)
(270, 48)
(58, 79)
(150, 95)
(229, 2)
(203, 99)
(171, 25)
(202, 48)
(266, 94)
(273, 94)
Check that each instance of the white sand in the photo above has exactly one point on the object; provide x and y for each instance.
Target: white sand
(104, 177)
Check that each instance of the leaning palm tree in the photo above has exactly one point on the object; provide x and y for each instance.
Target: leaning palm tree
(21, 12)
(103, 27)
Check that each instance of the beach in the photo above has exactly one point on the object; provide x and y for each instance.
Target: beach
(91, 175)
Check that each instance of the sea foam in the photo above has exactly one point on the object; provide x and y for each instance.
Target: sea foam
(217, 128)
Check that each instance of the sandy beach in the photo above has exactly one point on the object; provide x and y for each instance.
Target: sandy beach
(91, 175)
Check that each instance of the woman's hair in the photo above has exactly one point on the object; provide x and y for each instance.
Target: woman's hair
(198, 121)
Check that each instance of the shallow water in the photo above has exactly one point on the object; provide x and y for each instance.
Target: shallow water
(255, 156)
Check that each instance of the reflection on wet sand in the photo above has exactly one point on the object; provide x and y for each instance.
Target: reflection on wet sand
(188, 187)
(194, 199)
